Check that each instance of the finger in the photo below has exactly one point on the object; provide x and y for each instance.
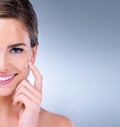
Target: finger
(29, 94)
(28, 103)
(35, 71)
(27, 85)
(37, 75)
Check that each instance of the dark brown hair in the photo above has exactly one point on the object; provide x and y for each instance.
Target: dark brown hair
(23, 11)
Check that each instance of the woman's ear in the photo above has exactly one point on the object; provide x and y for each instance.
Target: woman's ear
(34, 53)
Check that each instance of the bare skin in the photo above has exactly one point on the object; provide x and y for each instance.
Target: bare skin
(49, 119)
(12, 115)
(20, 101)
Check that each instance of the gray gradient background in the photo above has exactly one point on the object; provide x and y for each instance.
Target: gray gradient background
(79, 58)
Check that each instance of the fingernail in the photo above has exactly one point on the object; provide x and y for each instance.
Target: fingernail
(26, 65)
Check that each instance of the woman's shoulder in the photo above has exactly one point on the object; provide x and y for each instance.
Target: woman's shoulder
(49, 119)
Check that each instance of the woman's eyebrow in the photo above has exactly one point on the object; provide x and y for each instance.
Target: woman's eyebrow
(15, 45)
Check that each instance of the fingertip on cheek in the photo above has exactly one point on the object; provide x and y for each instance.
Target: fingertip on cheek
(26, 65)
(30, 63)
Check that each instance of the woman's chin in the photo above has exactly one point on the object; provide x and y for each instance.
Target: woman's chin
(6, 92)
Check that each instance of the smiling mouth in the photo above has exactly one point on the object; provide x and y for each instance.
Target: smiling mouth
(6, 79)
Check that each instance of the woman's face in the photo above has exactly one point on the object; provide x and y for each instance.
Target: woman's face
(15, 53)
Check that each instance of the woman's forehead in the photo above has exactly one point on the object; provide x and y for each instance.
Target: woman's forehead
(12, 31)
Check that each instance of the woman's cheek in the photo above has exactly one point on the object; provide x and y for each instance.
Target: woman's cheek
(23, 64)
(23, 67)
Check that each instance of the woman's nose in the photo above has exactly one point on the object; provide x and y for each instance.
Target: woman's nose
(3, 63)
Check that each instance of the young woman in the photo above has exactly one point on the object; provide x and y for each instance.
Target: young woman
(20, 101)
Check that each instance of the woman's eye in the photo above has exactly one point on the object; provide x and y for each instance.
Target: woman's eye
(16, 50)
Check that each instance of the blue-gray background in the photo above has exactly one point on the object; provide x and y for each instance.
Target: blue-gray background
(79, 58)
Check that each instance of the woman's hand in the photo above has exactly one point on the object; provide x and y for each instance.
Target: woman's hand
(29, 97)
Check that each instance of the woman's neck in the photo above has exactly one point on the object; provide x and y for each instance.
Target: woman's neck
(5, 105)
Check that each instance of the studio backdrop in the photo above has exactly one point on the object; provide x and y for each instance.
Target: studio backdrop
(79, 58)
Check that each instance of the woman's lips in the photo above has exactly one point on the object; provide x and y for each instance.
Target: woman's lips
(6, 79)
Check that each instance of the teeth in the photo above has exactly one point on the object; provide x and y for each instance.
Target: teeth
(6, 78)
